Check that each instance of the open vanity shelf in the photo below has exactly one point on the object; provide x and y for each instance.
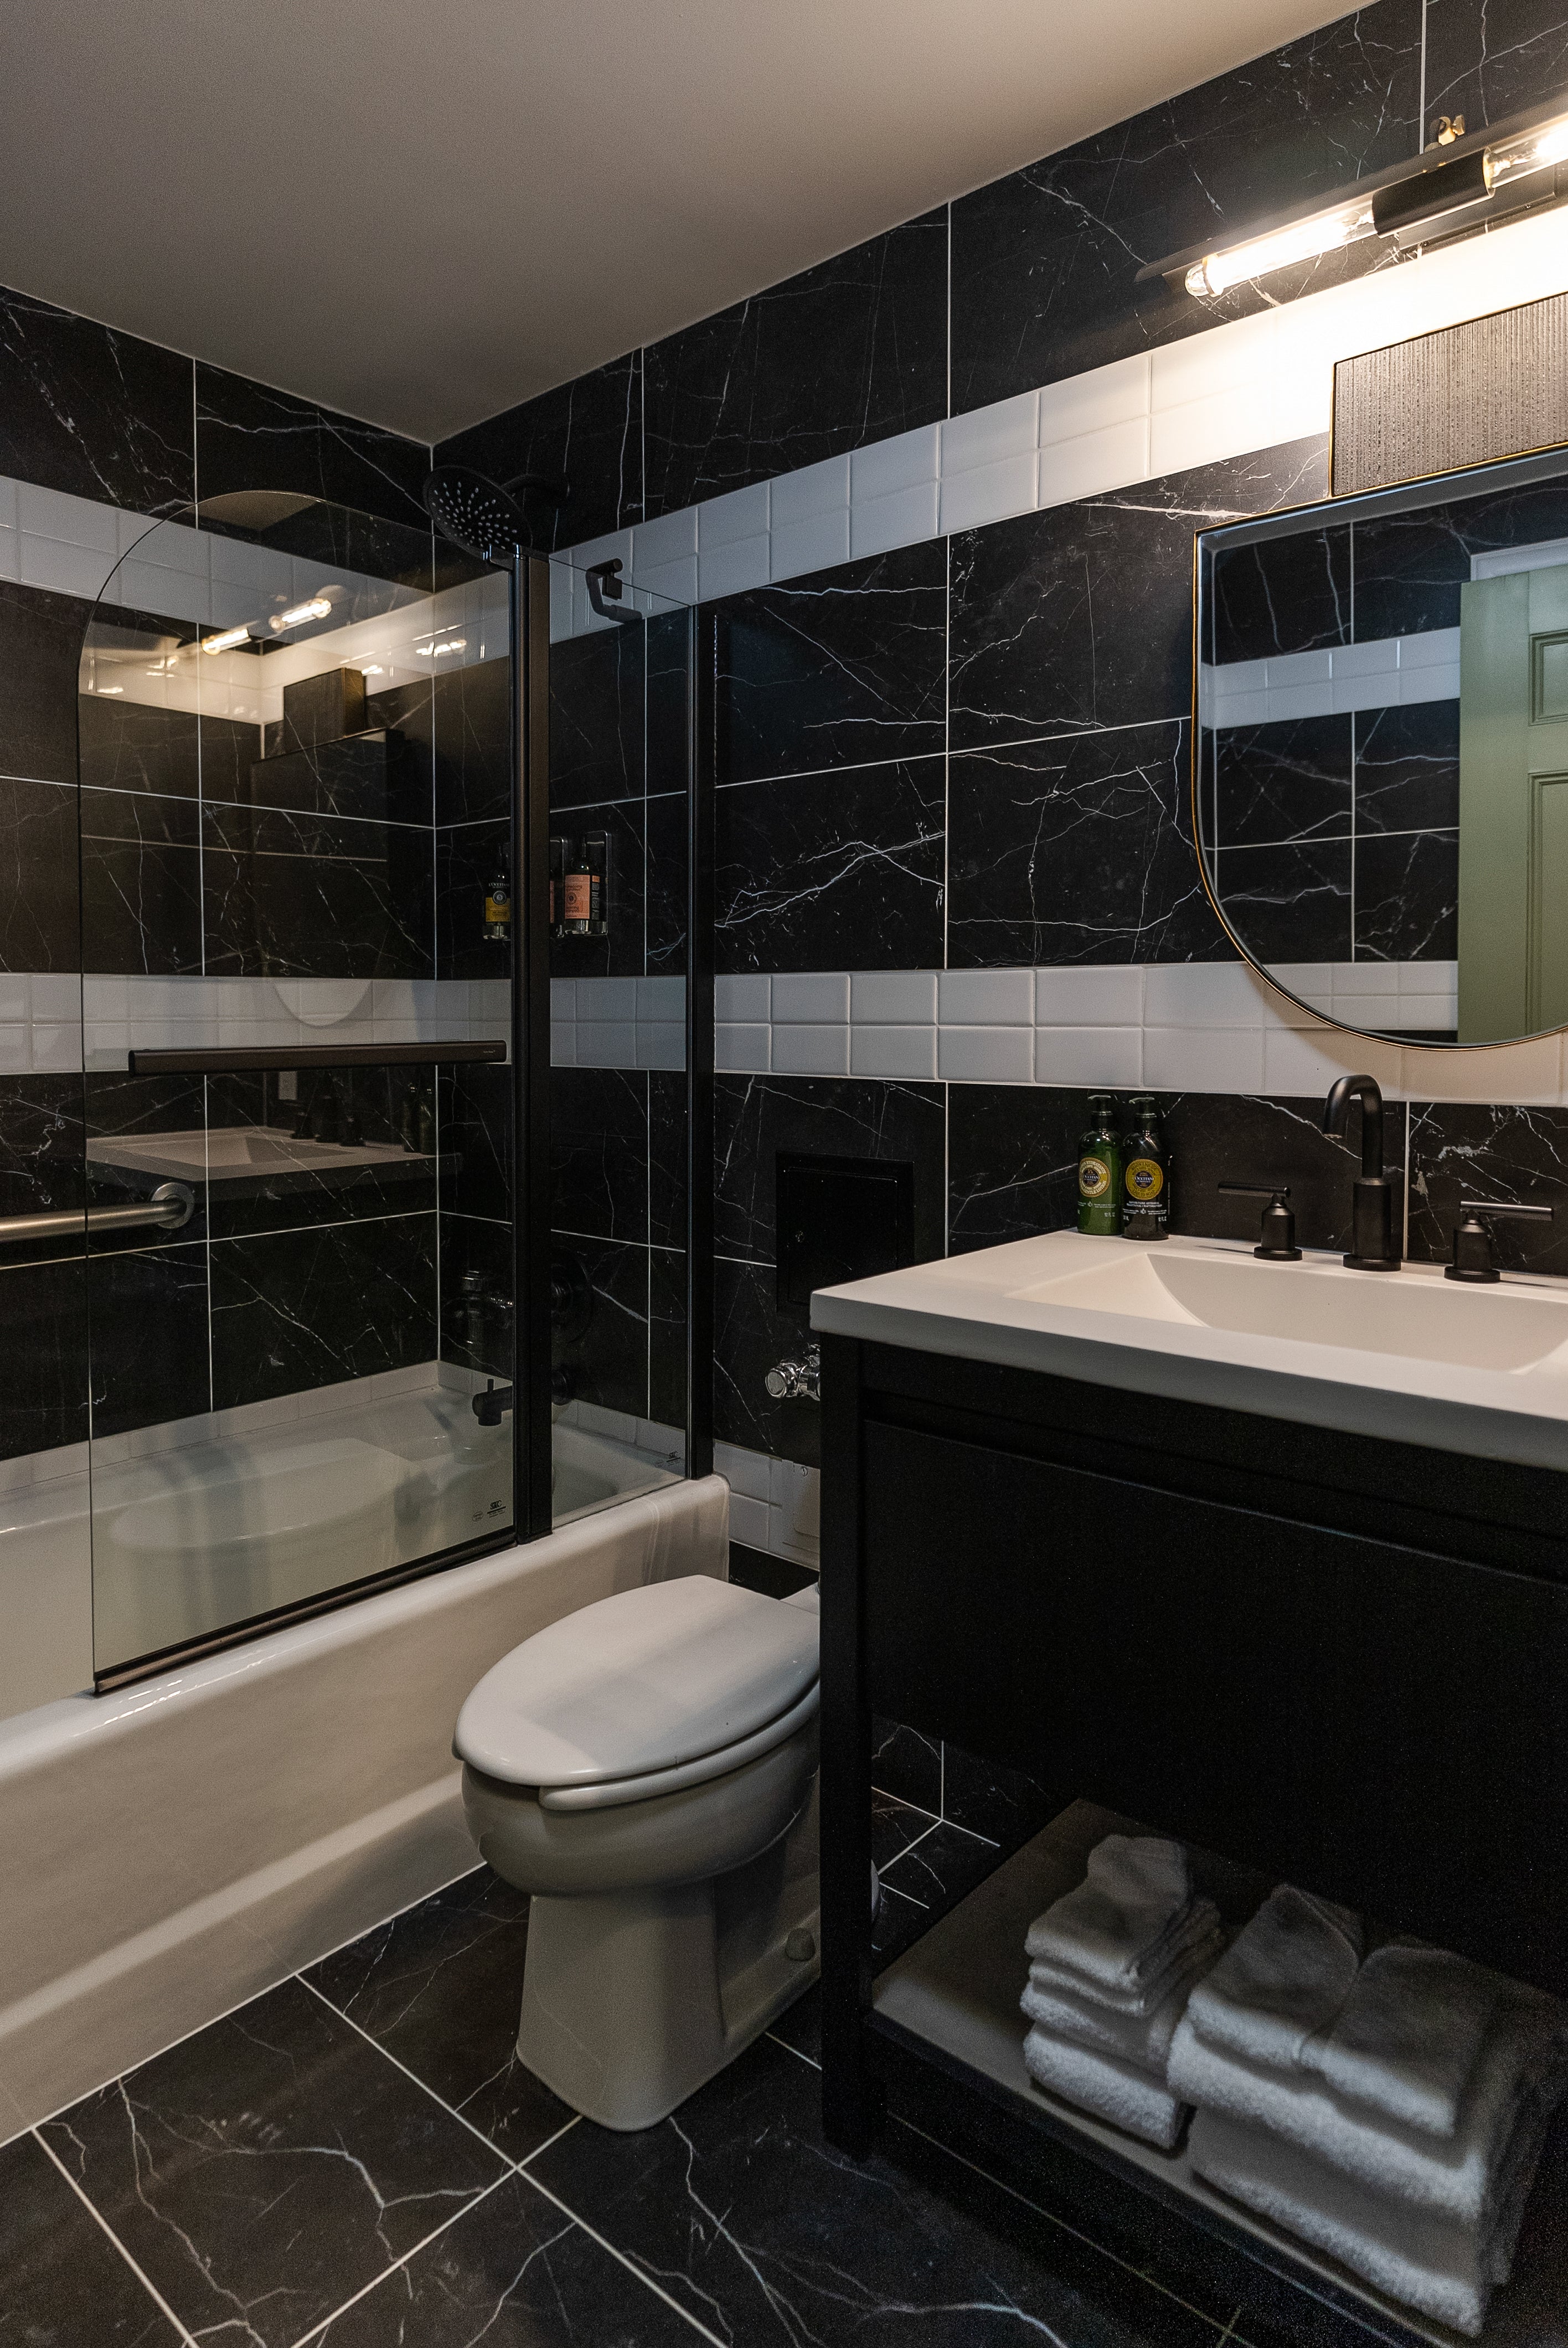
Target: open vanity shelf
(953, 2000)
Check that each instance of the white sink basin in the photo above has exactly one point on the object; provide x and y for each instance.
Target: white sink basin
(1406, 1355)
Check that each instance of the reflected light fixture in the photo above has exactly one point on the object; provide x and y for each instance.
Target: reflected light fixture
(227, 640)
(1460, 183)
(448, 645)
(318, 607)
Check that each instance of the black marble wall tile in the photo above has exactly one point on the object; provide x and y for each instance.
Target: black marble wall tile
(44, 1371)
(1283, 595)
(750, 1335)
(228, 753)
(851, 352)
(65, 2279)
(664, 874)
(374, 777)
(1407, 767)
(475, 1131)
(603, 1343)
(671, 641)
(1044, 262)
(1006, 1806)
(249, 436)
(275, 1200)
(1083, 615)
(97, 413)
(40, 920)
(599, 1152)
(298, 895)
(843, 668)
(40, 653)
(471, 723)
(1471, 1150)
(1407, 897)
(1076, 849)
(835, 871)
(1012, 1162)
(588, 432)
(125, 746)
(140, 883)
(1290, 781)
(297, 1310)
(1289, 904)
(1487, 59)
(477, 1294)
(1410, 568)
(468, 856)
(42, 1138)
(597, 717)
(667, 1157)
(907, 1765)
(148, 1351)
(667, 1336)
(619, 954)
(755, 1118)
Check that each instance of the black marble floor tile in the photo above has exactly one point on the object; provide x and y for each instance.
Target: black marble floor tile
(312, 896)
(515, 2271)
(835, 871)
(943, 1868)
(1289, 904)
(91, 411)
(600, 1341)
(477, 1296)
(1407, 897)
(1044, 262)
(618, 955)
(264, 2169)
(757, 1117)
(851, 352)
(667, 1336)
(149, 1354)
(296, 1310)
(899, 1922)
(1472, 1149)
(1004, 1805)
(476, 1132)
(249, 436)
(751, 1333)
(1407, 767)
(667, 1158)
(1488, 59)
(907, 1765)
(664, 881)
(588, 432)
(844, 668)
(895, 1825)
(62, 2282)
(597, 717)
(764, 2232)
(1287, 594)
(800, 2026)
(599, 1152)
(40, 650)
(440, 1988)
(1077, 850)
(1285, 781)
(1082, 615)
(40, 923)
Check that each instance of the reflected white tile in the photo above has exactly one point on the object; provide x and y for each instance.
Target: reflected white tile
(731, 570)
(606, 1043)
(908, 459)
(606, 998)
(1110, 459)
(809, 492)
(661, 1044)
(814, 543)
(988, 493)
(726, 520)
(661, 998)
(749, 1520)
(906, 519)
(665, 540)
(745, 1472)
(563, 1043)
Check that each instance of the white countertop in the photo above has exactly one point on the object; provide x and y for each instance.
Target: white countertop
(1028, 1306)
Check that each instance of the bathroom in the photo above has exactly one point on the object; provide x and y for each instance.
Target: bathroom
(451, 1031)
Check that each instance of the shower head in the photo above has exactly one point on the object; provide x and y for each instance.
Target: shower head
(482, 516)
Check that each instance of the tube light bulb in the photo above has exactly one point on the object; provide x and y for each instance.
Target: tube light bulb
(318, 607)
(227, 641)
(1303, 241)
(1533, 150)
(109, 690)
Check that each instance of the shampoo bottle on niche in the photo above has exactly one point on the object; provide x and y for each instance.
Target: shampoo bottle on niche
(1145, 1174)
(1100, 1170)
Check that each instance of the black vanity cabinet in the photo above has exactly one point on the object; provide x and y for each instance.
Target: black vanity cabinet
(1331, 1660)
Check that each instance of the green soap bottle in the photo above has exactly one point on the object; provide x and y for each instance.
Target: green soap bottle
(1145, 1174)
(1100, 1170)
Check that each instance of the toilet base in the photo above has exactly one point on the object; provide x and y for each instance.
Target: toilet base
(633, 2000)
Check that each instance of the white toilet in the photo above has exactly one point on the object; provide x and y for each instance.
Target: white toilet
(646, 1769)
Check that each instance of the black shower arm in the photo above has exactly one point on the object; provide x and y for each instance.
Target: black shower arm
(605, 590)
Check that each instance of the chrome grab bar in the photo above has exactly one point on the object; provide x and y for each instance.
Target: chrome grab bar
(172, 1205)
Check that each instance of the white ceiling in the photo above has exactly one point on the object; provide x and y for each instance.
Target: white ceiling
(422, 210)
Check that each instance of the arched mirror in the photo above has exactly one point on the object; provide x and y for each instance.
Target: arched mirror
(1380, 752)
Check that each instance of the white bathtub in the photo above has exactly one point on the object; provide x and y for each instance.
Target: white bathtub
(170, 1850)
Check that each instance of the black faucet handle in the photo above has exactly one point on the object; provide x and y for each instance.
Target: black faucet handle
(1277, 1242)
(1472, 1241)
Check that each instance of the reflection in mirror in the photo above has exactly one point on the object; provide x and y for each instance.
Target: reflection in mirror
(1381, 752)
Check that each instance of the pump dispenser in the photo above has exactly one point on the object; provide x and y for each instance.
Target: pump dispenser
(1145, 1174)
(1100, 1170)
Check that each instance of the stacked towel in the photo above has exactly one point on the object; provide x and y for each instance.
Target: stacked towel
(1111, 1967)
(1391, 2112)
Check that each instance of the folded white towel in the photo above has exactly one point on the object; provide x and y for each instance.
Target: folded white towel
(1144, 2040)
(1128, 2099)
(1409, 2037)
(1130, 1918)
(1284, 1977)
(1445, 2269)
(1198, 1947)
(1457, 2176)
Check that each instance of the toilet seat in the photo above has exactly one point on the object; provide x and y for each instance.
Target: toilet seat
(646, 1693)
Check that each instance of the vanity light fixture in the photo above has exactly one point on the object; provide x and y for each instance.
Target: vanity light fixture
(1460, 183)
(317, 608)
(227, 641)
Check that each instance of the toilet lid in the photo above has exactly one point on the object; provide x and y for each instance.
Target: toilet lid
(643, 1681)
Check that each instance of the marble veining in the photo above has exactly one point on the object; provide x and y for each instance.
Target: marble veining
(297, 1309)
(295, 894)
(603, 1347)
(1292, 901)
(756, 1117)
(43, 1370)
(1474, 1149)
(599, 1152)
(92, 411)
(1289, 781)
(40, 918)
(751, 1333)
(597, 717)
(249, 436)
(1489, 58)
(588, 432)
(64, 2277)
(142, 883)
(40, 651)
(835, 871)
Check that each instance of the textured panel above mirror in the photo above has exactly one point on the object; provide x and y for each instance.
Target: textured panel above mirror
(1488, 388)
(1380, 751)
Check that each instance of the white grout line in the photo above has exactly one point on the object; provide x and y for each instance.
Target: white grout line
(151, 2288)
(422, 2085)
(565, 2129)
(632, 2268)
(809, 2060)
(376, 2282)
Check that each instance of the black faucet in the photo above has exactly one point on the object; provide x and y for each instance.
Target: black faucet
(1277, 1242)
(1372, 1244)
(1472, 1241)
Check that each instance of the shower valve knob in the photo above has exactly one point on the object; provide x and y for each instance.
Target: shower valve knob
(797, 1381)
